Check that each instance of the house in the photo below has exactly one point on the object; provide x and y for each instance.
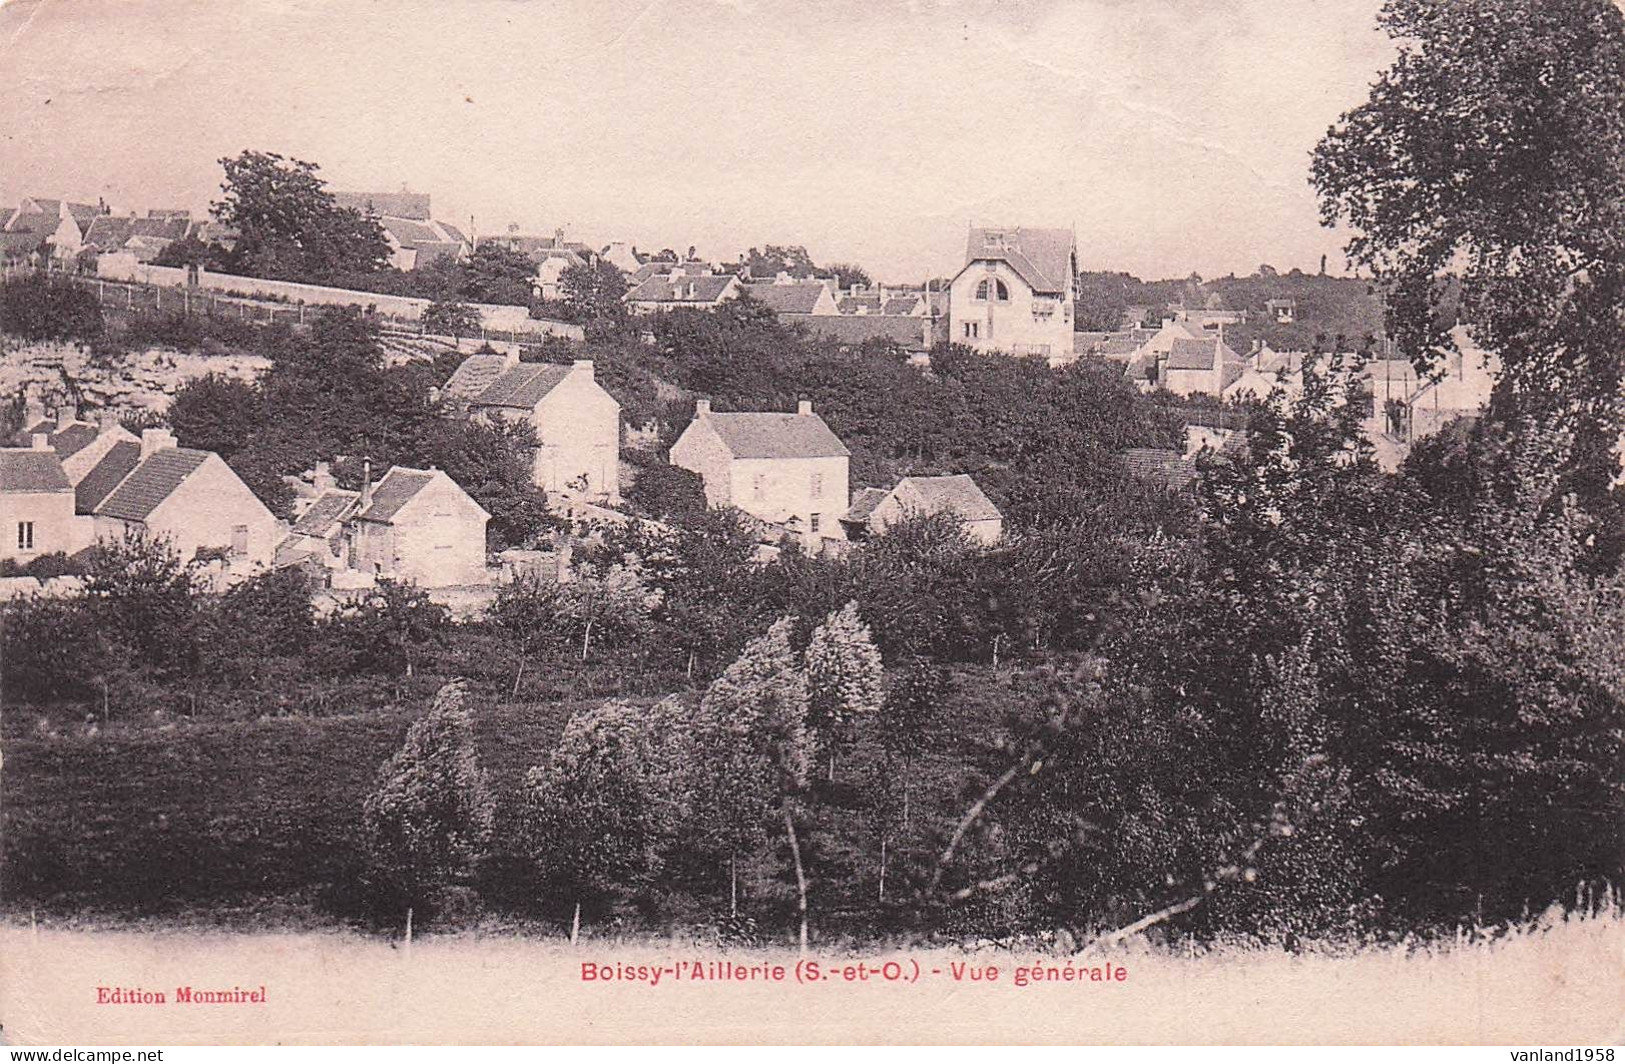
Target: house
(683, 289)
(621, 255)
(1015, 291)
(1146, 361)
(146, 237)
(191, 498)
(415, 526)
(36, 504)
(415, 238)
(788, 470)
(1206, 366)
(1463, 389)
(795, 297)
(874, 510)
(318, 534)
(58, 223)
(577, 423)
(24, 248)
(79, 444)
(1284, 311)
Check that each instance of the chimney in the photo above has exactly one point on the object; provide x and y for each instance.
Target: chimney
(366, 483)
(582, 366)
(34, 412)
(155, 440)
(66, 415)
(510, 355)
(702, 408)
(323, 480)
(41, 442)
(107, 419)
(804, 406)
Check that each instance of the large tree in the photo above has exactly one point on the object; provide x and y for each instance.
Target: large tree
(288, 225)
(1493, 152)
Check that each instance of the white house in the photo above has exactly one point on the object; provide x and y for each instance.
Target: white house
(193, 499)
(36, 504)
(1015, 292)
(416, 526)
(874, 510)
(788, 470)
(1206, 366)
(577, 422)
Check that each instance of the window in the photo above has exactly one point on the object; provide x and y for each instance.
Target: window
(971, 330)
(818, 485)
(25, 535)
(813, 524)
(239, 541)
(1000, 291)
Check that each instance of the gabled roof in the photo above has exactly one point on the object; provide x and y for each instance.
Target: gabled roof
(685, 289)
(1041, 257)
(864, 503)
(327, 511)
(775, 435)
(474, 374)
(66, 442)
(28, 470)
(105, 475)
(957, 493)
(798, 298)
(1193, 354)
(399, 487)
(908, 304)
(386, 204)
(522, 386)
(151, 482)
(1162, 464)
(40, 224)
(408, 232)
(868, 303)
(108, 232)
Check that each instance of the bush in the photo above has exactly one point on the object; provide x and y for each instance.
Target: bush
(37, 307)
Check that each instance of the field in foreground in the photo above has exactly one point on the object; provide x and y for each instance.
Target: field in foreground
(1556, 983)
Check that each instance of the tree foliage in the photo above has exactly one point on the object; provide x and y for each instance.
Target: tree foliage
(289, 228)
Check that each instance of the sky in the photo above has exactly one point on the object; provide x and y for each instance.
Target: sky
(1172, 135)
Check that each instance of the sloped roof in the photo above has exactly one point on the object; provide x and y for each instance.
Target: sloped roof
(20, 243)
(399, 487)
(327, 511)
(798, 298)
(409, 232)
(956, 492)
(40, 224)
(151, 482)
(66, 442)
(1193, 354)
(908, 331)
(1041, 257)
(474, 374)
(1162, 464)
(165, 228)
(109, 233)
(523, 385)
(775, 435)
(685, 289)
(869, 303)
(903, 304)
(105, 475)
(28, 470)
(386, 204)
(864, 503)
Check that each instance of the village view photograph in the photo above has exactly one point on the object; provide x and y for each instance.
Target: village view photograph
(949, 521)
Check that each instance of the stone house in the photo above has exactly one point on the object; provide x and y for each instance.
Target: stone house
(415, 526)
(1015, 292)
(874, 509)
(787, 470)
(1205, 366)
(191, 498)
(36, 504)
(683, 289)
(577, 423)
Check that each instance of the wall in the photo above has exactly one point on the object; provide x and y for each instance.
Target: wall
(1191, 381)
(786, 491)
(440, 538)
(54, 526)
(123, 267)
(578, 425)
(1010, 326)
(700, 450)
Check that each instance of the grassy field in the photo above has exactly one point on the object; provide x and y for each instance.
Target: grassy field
(1556, 982)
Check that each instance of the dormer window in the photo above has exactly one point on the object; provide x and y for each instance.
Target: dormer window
(999, 291)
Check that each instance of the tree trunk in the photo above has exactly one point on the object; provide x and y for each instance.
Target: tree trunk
(586, 638)
(575, 924)
(520, 675)
(801, 876)
(408, 929)
(882, 869)
(832, 763)
(733, 886)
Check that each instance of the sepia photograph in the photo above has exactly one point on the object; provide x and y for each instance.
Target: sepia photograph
(750, 522)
